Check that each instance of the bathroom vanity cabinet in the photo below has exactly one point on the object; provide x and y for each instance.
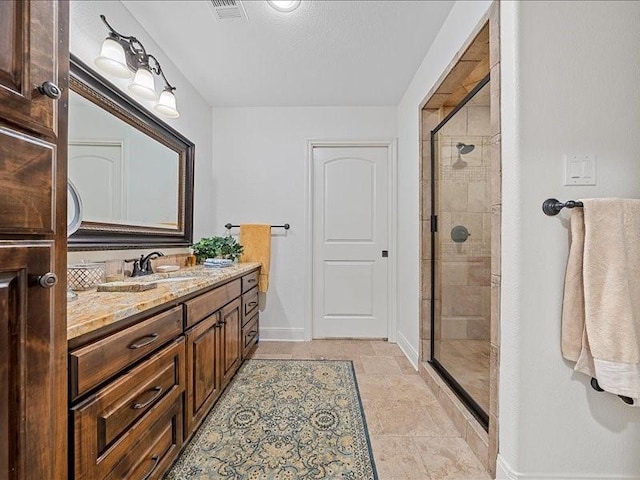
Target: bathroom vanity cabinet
(140, 391)
(33, 173)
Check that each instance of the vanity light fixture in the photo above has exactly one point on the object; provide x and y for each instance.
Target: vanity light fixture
(122, 56)
(285, 6)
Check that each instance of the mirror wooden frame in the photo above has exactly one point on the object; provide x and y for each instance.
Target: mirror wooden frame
(101, 236)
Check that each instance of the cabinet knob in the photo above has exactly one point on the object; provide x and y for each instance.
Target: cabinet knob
(48, 280)
(50, 89)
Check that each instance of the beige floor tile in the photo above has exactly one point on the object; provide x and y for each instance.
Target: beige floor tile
(450, 459)
(276, 347)
(411, 387)
(380, 365)
(406, 418)
(271, 356)
(412, 437)
(386, 348)
(406, 366)
(395, 459)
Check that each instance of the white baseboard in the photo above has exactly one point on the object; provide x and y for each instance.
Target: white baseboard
(408, 350)
(282, 334)
(505, 472)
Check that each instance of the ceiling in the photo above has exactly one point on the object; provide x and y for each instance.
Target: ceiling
(323, 53)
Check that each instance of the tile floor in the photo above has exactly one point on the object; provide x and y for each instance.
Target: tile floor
(468, 362)
(411, 435)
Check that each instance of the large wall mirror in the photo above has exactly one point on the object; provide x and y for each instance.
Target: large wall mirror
(133, 172)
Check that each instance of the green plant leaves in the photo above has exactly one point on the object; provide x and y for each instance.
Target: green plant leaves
(217, 247)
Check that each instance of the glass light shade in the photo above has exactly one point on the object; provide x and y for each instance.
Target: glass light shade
(284, 5)
(112, 59)
(143, 85)
(167, 105)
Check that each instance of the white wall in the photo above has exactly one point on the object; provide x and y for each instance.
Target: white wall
(571, 84)
(86, 35)
(456, 29)
(260, 176)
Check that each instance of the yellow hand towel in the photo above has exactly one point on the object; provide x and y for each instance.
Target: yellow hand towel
(256, 240)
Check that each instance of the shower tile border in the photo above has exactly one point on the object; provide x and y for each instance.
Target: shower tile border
(467, 426)
(484, 444)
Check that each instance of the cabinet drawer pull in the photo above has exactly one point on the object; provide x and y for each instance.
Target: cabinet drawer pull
(251, 280)
(252, 304)
(252, 333)
(50, 89)
(48, 280)
(152, 338)
(154, 397)
(156, 460)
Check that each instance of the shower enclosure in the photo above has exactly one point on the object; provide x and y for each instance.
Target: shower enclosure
(461, 249)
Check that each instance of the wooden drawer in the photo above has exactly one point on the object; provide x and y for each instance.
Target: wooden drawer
(249, 305)
(249, 281)
(201, 307)
(154, 453)
(95, 363)
(118, 426)
(250, 334)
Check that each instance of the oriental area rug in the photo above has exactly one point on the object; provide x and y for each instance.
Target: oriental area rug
(283, 420)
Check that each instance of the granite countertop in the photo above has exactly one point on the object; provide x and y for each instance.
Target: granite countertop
(93, 310)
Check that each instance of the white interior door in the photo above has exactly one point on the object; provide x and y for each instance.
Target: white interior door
(350, 232)
(99, 169)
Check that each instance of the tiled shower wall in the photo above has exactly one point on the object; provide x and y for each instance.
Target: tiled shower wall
(464, 279)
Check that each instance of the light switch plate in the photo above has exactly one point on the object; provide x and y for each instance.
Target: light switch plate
(579, 169)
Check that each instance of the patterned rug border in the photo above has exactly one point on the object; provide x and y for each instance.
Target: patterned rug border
(355, 382)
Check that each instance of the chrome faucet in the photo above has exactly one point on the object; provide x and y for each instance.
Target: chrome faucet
(142, 266)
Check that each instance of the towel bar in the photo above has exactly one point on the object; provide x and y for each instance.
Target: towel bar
(286, 226)
(596, 386)
(552, 206)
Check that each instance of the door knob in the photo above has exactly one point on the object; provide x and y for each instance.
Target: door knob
(48, 280)
(50, 89)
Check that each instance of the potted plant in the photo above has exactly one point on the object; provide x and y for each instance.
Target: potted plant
(217, 247)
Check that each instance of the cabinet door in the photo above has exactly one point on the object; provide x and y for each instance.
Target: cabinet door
(29, 404)
(30, 35)
(203, 371)
(230, 340)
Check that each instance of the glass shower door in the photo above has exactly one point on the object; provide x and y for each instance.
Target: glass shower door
(461, 256)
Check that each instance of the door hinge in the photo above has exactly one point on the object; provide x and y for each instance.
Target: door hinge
(434, 223)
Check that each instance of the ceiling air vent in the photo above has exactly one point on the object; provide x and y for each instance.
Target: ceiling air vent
(224, 10)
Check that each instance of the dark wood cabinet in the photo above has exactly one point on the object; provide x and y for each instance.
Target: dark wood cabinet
(133, 420)
(25, 338)
(203, 370)
(139, 393)
(31, 34)
(230, 349)
(33, 183)
(98, 361)
(250, 325)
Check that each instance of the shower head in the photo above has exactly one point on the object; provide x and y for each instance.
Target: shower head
(464, 148)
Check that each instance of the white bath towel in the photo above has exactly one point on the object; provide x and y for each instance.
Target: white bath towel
(601, 310)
